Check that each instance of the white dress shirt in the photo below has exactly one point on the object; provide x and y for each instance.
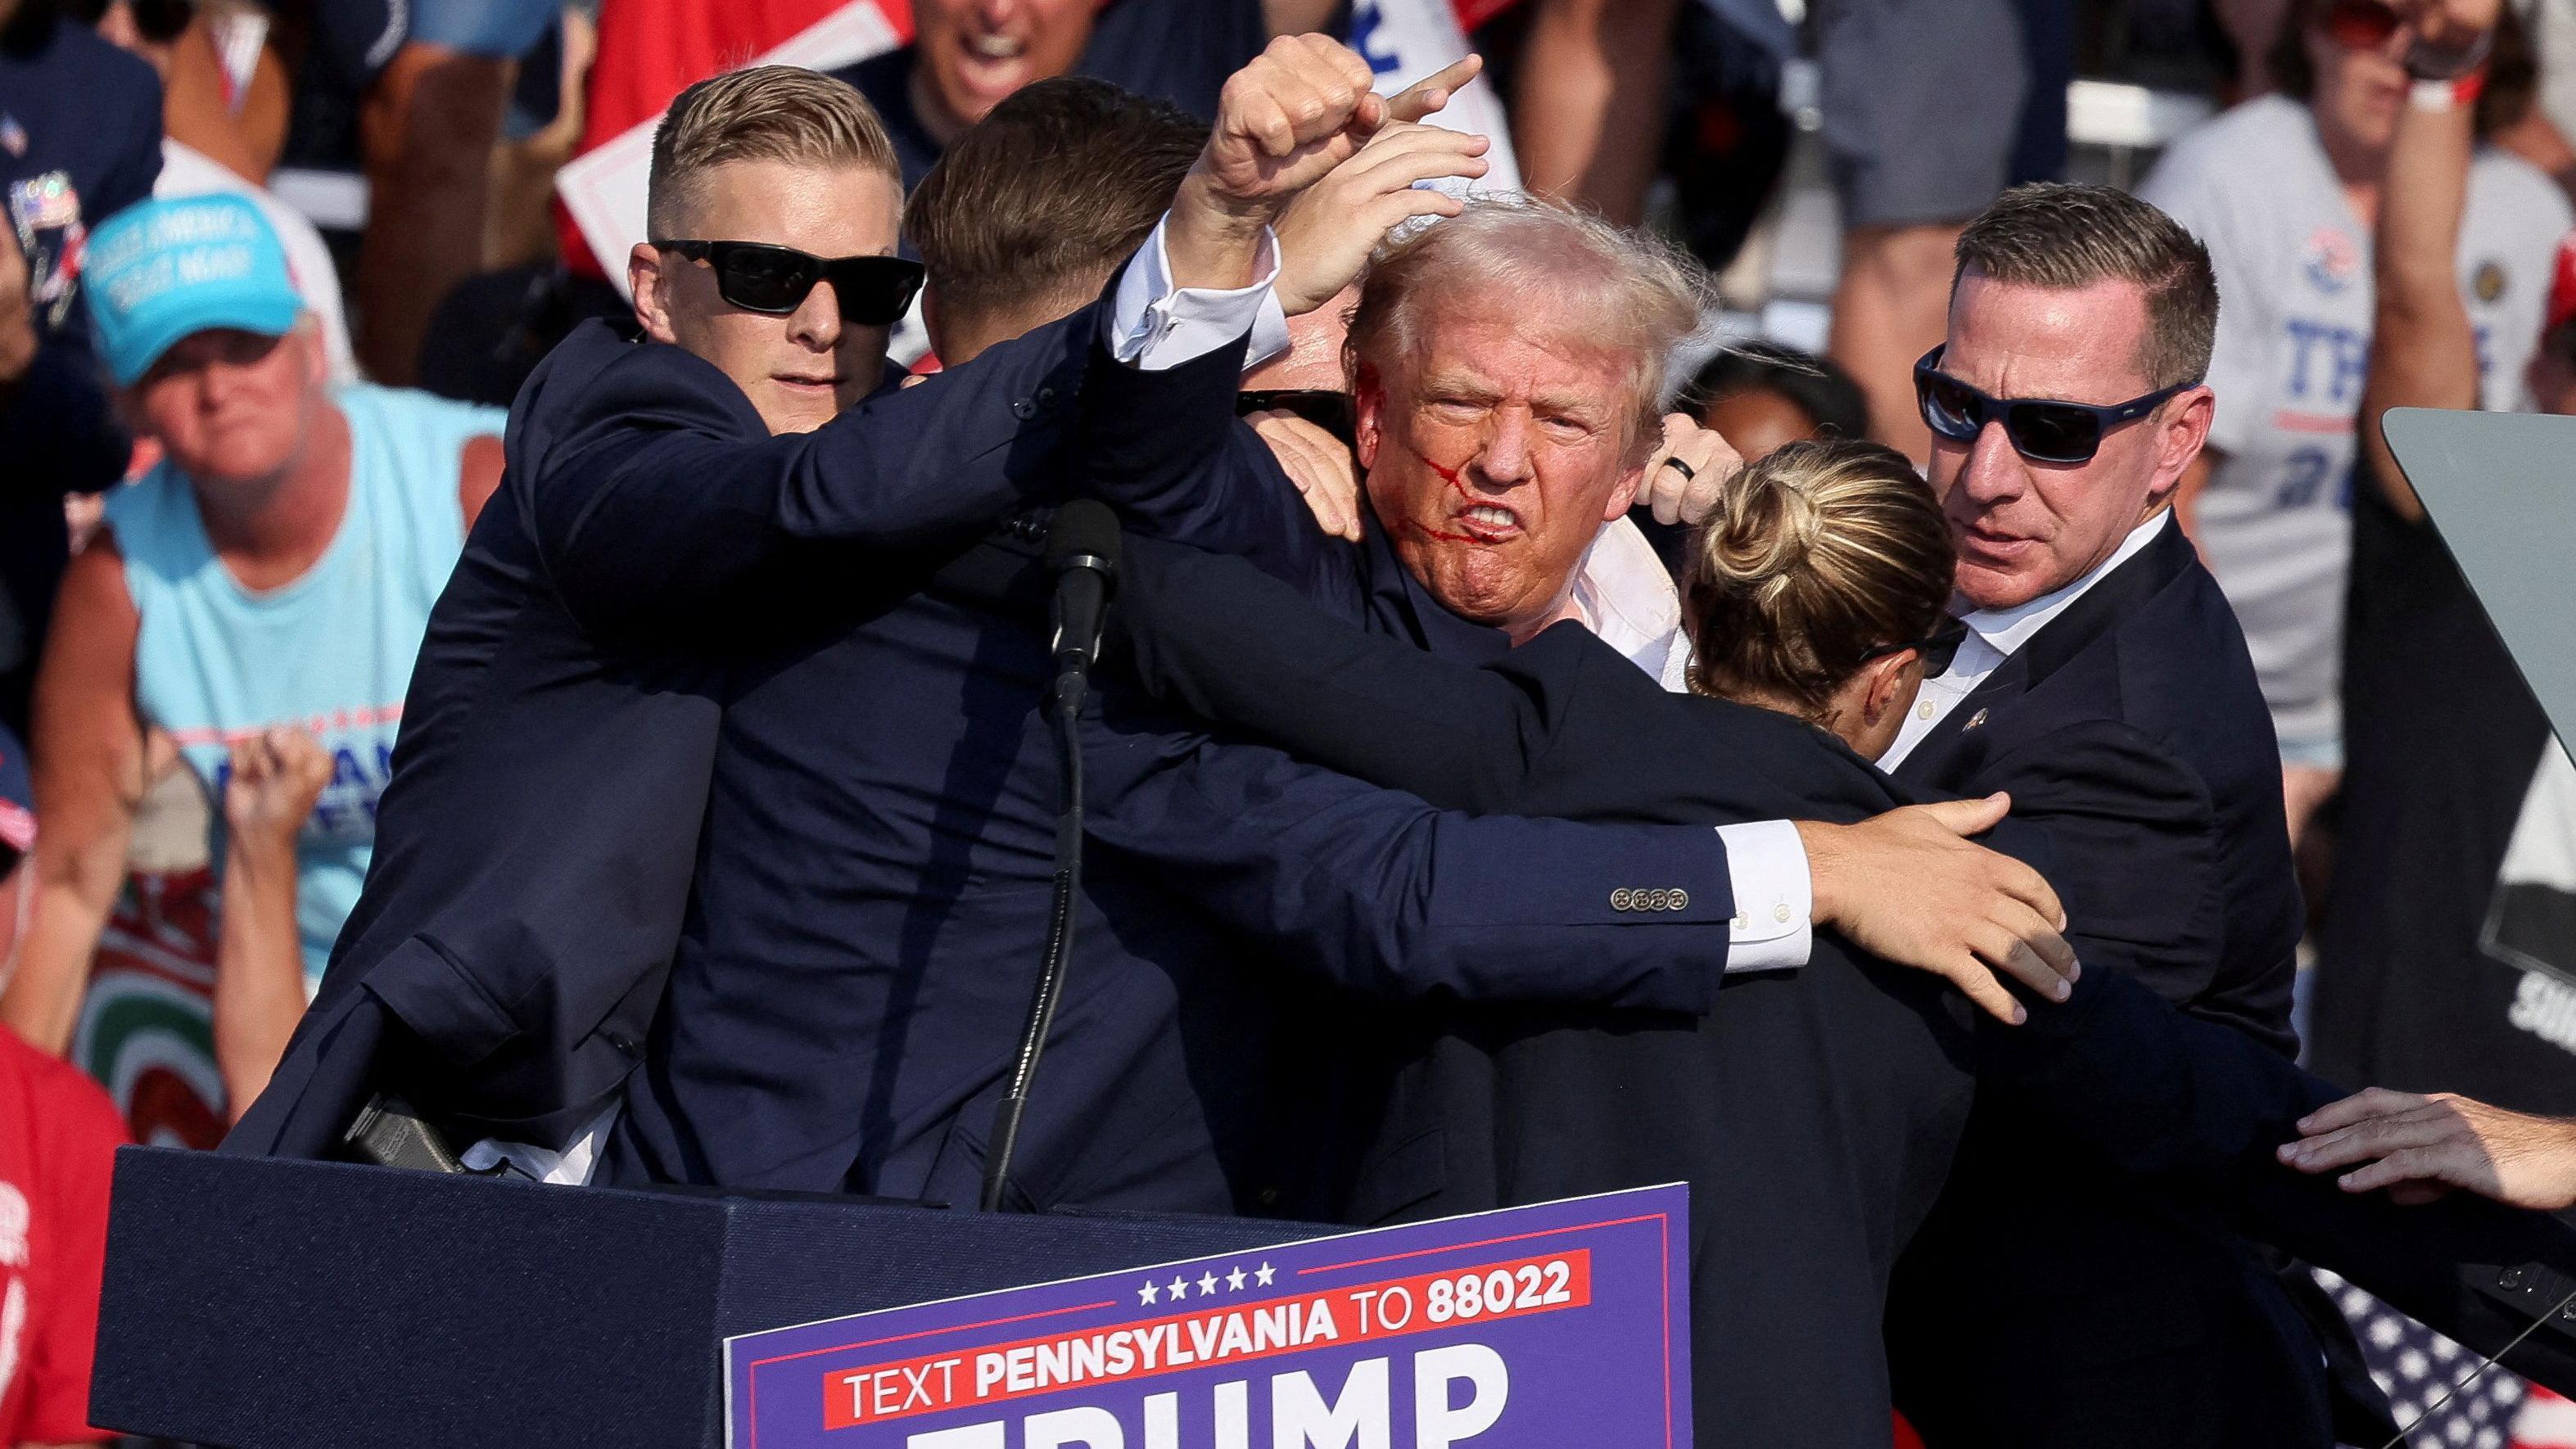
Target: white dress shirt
(1993, 635)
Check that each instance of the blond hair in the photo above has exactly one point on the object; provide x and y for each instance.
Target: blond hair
(1817, 555)
(763, 113)
(1628, 291)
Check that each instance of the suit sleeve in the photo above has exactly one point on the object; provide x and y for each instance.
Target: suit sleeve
(1379, 892)
(1197, 475)
(1220, 639)
(2150, 1092)
(2133, 839)
(658, 503)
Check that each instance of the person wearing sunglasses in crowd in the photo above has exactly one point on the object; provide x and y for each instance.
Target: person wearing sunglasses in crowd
(2285, 190)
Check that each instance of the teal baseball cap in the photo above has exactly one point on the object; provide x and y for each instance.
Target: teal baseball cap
(163, 270)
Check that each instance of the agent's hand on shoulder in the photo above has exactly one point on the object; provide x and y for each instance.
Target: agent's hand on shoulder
(1688, 473)
(1323, 470)
(1910, 887)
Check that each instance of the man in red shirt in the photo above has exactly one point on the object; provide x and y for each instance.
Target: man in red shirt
(58, 1139)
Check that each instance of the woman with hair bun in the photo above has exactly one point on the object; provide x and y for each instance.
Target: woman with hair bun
(1820, 589)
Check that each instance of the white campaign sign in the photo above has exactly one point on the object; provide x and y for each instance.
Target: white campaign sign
(1405, 40)
(604, 188)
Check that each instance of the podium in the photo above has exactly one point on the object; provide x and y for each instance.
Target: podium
(264, 1304)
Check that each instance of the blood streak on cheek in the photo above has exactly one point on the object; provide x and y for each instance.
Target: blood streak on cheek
(1451, 476)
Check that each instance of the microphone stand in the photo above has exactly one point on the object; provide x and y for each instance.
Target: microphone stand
(1073, 656)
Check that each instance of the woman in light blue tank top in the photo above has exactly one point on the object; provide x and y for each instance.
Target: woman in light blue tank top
(330, 652)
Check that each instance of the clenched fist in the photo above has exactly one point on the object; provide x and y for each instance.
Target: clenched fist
(1301, 108)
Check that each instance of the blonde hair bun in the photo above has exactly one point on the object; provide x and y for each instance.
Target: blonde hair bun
(1817, 554)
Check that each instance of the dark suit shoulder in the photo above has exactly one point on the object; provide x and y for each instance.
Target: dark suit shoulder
(1682, 757)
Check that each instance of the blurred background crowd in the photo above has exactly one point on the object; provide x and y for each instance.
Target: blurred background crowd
(448, 176)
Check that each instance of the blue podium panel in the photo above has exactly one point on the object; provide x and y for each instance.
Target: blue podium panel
(261, 1304)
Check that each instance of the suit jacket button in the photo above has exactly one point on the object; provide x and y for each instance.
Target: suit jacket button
(1656, 900)
(2509, 1278)
(1621, 900)
(1024, 409)
(1681, 899)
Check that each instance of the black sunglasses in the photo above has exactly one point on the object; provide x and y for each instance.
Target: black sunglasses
(758, 277)
(1937, 648)
(2044, 430)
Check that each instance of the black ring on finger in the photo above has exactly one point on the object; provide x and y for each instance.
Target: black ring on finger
(1689, 473)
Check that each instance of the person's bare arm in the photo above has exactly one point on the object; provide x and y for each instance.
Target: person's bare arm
(428, 126)
(88, 751)
(2420, 1147)
(17, 315)
(1297, 17)
(478, 476)
(1588, 106)
(259, 956)
(2423, 351)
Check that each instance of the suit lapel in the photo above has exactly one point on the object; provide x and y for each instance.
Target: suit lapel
(1952, 753)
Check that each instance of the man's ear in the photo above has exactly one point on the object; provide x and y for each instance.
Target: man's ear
(2184, 431)
(1623, 495)
(1368, 400)
(644, 280)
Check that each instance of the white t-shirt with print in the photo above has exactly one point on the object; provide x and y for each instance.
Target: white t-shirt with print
(2294, 319)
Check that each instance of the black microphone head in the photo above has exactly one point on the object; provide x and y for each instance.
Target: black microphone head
(1084, 535)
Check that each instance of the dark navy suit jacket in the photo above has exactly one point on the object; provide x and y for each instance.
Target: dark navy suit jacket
(1813, 1113)
(534, 848)
(874, 880)
(2131, 728)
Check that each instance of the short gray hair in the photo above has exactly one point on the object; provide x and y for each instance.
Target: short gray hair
(2062, 236)
(1635, 292)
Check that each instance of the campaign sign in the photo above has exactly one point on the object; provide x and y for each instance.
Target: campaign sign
(1530, 1328)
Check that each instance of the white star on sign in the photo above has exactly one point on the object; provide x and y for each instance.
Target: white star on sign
(1145, 1294)
(1265, 1275)
(1180, 1289)
(1234, 1281)
(1207, 1285)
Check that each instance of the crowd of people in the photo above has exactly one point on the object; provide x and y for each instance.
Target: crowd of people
(595, 697)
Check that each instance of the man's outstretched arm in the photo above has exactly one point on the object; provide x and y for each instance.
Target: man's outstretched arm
(2145, 1090)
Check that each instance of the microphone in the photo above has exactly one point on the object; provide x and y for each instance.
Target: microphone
(1082, 555)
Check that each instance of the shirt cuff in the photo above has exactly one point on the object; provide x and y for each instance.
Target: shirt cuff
(1155, 326)
(1775, 897)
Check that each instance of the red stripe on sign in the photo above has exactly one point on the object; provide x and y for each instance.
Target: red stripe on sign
(1151, 1348)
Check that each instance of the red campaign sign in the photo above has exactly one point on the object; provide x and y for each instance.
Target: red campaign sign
(1150, 1348)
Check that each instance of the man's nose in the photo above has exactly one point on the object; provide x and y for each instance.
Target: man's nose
(816, 322)
(1994, 469)
(1505, 458)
